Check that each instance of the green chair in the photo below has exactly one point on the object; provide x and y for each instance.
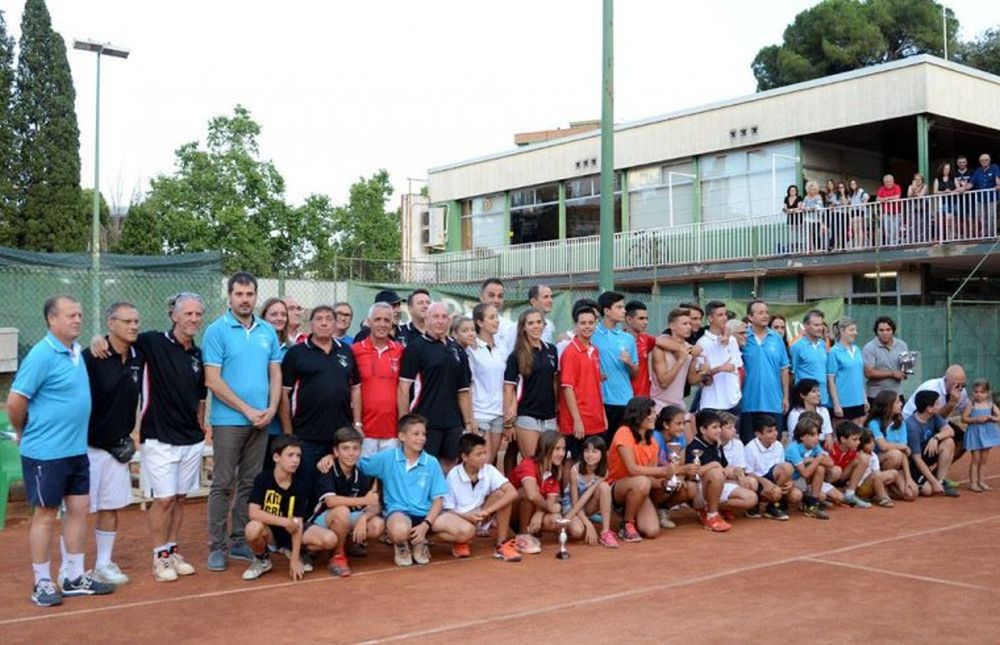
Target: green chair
(10, 472)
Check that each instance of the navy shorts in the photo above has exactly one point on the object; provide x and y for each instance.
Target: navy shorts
(48, 481)
(443, 442)
(769, 476)
(282, 538)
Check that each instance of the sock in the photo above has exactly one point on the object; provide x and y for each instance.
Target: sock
(171, 546)
(62, 548)
(43, 571)
(159, 549)
(849, 492)
(74, 565)
(105, 545)
(713, 514)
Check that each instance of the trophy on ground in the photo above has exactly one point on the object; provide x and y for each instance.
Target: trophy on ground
(562, 553)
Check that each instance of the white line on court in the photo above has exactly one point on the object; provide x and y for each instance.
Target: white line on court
(666, 585)
(498, 617)
(900, 574)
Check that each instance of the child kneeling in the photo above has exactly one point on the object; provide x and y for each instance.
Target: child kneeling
(414, 490)
(812, 465)
(279, 505)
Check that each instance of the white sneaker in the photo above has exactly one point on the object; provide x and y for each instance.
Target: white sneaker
(257, 568)
(664, 517)
(163, 570)
(180, 565)
(111, 574)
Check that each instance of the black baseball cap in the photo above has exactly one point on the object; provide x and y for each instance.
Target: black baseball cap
(389, 296)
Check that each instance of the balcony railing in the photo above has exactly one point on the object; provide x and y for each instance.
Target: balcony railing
(922, 221)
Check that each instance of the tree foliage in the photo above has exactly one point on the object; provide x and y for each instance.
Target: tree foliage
(46, 172)
(141, 233)
(7, 148)
(983, 53)
(841, 35)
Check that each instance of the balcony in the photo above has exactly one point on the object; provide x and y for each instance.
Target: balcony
(907, 223)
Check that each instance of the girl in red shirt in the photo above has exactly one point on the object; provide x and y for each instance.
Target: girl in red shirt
(539, 482)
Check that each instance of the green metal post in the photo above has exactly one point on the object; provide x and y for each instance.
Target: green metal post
(454, 214)
(923, 145)
(95, 223)
(562, 210)
(947, 337)
(607, 243)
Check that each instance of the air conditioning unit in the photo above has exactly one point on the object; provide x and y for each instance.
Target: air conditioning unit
(437, 227)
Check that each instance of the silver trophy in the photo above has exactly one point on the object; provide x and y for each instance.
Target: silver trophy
(699, 498)
(697, 462)
(906, 362)
(562, 553)
(674, 448)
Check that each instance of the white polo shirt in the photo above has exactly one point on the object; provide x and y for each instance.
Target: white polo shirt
(724, 393)
(549, 332)
(734, 453)
(487, 365)
(760, 460)
(462, 496)
(506, 336)
(935, 385)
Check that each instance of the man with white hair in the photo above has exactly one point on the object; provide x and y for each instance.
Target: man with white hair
(439, 371)
(952, 400)
(294, 325)
(378, 358)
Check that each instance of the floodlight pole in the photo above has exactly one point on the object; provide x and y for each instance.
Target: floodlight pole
(95, 222)
(606, 275)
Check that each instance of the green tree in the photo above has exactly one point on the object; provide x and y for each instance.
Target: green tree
(841, 35)
(47, 141)
(366, 243)
(141, 233)
(7, 148)
(225, 197)
(983, 53)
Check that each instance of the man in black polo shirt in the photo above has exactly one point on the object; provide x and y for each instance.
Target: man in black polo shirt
(439, 371)
(417, 304)
(115, 384)
(320, 385)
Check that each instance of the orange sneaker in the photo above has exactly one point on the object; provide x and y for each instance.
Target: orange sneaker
(338, 566)
(716, 523)
(507, 552)
(461, 550)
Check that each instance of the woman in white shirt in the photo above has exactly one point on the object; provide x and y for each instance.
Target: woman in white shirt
(487, 360)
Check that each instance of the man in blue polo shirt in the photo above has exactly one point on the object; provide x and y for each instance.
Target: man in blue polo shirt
(765, 361)
(49, 408)
(986, 178)
(619, 359)
(809, 353)
(243, 371)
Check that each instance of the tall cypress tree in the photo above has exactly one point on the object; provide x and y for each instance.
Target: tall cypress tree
(7, 151)
(47, 139)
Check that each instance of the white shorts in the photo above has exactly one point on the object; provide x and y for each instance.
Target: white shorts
(168, 470)
(727, 490)
(803, 486)
(110, 481)
(371, 446)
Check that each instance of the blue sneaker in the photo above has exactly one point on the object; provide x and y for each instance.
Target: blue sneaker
(86, 585)
(241, 551)
(45, 594)
(217, 560)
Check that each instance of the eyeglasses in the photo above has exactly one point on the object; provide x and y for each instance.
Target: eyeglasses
(344, 314)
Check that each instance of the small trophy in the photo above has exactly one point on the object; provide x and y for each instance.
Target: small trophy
(906, 362)
(562, 553)
(674, 482)
(697, 462)
(699, 498)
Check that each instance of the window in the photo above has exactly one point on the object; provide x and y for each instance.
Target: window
(534, 214)
(487, 221)
(738, 184)
(583, 205)
(661, 195)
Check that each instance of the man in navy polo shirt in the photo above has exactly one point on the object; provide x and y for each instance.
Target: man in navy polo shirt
(243, 371)
(809, 354)
(987, 178)
(49, 407)
(765, 361)
(320, 387)
(439, 371)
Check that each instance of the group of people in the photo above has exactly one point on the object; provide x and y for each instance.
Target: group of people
(838, 216)
(449, 427)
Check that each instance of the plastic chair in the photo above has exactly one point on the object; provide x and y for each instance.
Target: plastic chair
(10, 472)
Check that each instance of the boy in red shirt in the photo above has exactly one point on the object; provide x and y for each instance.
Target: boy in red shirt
(581, 408)
(636, 323)
(849, 464)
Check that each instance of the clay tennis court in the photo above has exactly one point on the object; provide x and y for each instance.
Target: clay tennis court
(927, 571)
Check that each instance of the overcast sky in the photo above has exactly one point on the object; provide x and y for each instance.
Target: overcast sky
(344, 88)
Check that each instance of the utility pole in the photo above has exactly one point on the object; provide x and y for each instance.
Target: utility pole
(606, 274)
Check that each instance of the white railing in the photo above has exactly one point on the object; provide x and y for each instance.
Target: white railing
(921, 221)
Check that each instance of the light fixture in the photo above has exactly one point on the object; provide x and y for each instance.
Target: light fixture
(883, 274)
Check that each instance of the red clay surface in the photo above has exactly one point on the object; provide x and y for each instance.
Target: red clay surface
(921, 572)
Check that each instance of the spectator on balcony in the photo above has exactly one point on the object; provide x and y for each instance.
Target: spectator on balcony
(963, 183)
(917, 223)
(619, 358)
(540, 297)
(986, 178)
(963, 175)
(888, 195)
(813, 232)
(791, 206)
(765, 359)
(636, 323)
(492, 293)
(830, 194)
(857, 198)
(838, 216)
(883, 360)
(944, 187)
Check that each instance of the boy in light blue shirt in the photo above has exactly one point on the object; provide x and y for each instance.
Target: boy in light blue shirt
(811, 464)
(619, 359)
(414, 488)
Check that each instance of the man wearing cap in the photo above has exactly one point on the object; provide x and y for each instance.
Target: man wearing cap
(388, 297)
